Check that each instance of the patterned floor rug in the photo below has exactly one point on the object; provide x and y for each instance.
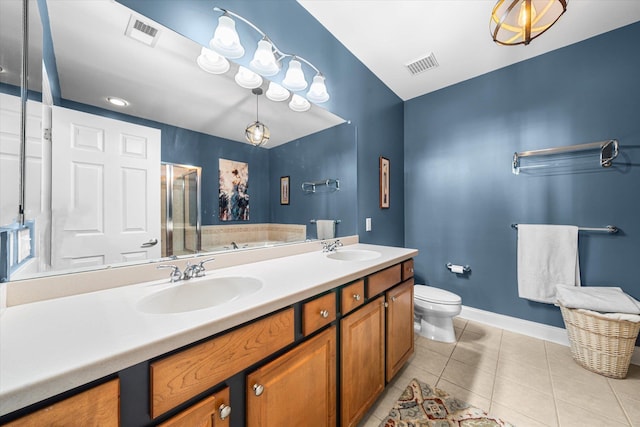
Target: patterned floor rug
(420, 405)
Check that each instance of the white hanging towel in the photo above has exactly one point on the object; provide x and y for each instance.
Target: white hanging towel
(547, 256)
(326, 228)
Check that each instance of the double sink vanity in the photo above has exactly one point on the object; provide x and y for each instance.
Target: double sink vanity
(305, 338)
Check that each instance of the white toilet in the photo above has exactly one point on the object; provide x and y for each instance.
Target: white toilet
(434, 310)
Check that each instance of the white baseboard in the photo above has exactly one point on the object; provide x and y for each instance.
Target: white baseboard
(526, 327)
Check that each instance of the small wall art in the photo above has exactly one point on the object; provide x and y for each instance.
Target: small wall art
(384, 183)
(284, 190)
(233, 195)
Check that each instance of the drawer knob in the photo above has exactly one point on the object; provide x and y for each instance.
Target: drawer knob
(225, 411)
(258, 389)
(324, 313)
(411, 269)
(356, 297)
(394, 299)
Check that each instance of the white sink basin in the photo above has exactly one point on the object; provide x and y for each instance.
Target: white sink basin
(199, 294)
(353, 255)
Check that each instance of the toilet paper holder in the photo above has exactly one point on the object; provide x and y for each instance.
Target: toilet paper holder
(458, 269)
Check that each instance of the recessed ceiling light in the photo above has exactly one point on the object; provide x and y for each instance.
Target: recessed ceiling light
(118, 102)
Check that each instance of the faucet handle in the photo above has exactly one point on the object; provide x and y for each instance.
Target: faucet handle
(338, 243)
(175, 274)
(199, 268)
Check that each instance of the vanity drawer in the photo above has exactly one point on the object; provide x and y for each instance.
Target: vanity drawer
(183, 375)
(352, 296)
(98, 406)
(383, 280)
(318, 313)
(407, 269)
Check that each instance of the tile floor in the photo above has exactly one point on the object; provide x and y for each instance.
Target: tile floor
(523, 380)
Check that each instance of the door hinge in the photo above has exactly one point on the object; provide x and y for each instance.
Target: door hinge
(46, 134)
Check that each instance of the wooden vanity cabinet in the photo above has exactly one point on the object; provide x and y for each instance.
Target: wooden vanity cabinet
(362, 358)
(296, 389)
(399, 328)
(213, 411)
(96, 407)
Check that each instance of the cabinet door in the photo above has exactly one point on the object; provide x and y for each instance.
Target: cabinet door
(399, 327)
(296, 389)
(210, 412)
(362, 360)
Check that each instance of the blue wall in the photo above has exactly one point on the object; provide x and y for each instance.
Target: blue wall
(356, 93)
(327, 154)
(461, 194)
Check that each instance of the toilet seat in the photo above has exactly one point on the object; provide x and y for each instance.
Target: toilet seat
(435, 295)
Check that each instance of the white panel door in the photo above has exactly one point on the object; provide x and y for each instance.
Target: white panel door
(106, 190)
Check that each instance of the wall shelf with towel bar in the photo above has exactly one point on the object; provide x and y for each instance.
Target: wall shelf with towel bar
(608, 152)
(310, 187)
(609, 228)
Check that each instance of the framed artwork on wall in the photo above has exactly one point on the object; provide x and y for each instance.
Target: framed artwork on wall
(233, 194)
(384, 183)
(284, 190)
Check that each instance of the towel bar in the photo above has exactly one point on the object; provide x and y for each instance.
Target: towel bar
(609, 228)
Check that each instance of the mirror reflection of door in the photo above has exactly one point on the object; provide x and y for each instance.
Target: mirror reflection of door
(105, 190)
(180, 217)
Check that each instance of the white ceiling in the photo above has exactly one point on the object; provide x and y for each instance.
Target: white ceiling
(387, 35)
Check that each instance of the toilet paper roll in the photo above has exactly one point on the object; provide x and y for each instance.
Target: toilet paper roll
(458, 269)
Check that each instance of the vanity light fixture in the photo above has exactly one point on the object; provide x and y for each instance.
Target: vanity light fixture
(118, 102)
(267, 59)
(247, 78)
(257, 133)
(212, 62)
(277, 93)
(299, 104)
(515, 22)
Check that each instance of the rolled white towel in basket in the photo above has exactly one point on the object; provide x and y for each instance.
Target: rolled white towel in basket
(605, 299)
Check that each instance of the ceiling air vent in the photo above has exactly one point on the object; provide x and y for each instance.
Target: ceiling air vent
(142, 32)
(422, 64)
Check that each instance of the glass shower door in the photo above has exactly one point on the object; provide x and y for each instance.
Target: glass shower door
(180, 209)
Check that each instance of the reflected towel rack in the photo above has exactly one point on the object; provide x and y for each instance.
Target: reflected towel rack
(608, 152)
(609, 228)
(313, 221)
(310, 187)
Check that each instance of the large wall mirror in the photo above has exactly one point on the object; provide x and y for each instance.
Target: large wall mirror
(80, 184)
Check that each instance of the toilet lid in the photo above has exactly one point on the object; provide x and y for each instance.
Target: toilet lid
(431, 294)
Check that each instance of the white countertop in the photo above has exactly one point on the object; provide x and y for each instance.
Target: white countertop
(48, 347)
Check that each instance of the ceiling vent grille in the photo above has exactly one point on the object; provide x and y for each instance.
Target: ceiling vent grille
(423, 64)
(142, 32)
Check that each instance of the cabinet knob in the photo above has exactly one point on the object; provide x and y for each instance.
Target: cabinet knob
(393, 299)
(411, 269)
(356, 297)
(324, 313)
(258, 389)
(225, 411)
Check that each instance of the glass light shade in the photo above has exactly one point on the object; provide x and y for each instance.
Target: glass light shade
(211, 62)
(225, 39)
(247, 78)
(516, 22)
(257, 133)
(294, 79)
(318, 91)
(299, 104)
(264, 61)
(277, 93)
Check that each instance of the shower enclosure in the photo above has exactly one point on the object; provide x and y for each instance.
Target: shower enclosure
(181, 223)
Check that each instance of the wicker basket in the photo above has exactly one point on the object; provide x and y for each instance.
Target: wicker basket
(603, 346)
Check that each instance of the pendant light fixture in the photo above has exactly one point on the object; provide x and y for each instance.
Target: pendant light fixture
(515, 22)
(257, 133)
(267, 61)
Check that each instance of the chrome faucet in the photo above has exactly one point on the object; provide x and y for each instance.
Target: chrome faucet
(331, 247)
(190, 271)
